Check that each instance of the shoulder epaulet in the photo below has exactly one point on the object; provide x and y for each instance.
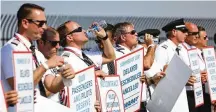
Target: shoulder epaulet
(15, 42)
(119, 49)
(164, 46)
(66, 54)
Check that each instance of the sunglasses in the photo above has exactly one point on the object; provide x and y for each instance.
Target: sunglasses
(193, 33)
(79, 29)
(183, 30)
(205, 38)
(133, 32)
(39, 23)
(53, 43)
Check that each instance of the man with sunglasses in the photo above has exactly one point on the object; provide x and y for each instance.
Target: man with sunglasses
(125, 37)
(31, 25)
(202, 39)
(202, 43)
(126, 40)
(191, 42)
(73, 38)
(49, 45)
(176, 33)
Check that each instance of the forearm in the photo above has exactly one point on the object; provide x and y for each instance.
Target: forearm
(108, 49)
(57, 84)
(38, 74)
(149, 58)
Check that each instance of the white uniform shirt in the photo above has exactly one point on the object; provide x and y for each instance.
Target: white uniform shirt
(78, 64)
(163, 55)
(155, 68)
(201, 61)
(121, 51)
(104, 67)
(202, 68)
(184, 47)
(184, 52)
(14, 44)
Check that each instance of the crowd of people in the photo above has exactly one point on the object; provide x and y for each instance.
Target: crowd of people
(113, 42)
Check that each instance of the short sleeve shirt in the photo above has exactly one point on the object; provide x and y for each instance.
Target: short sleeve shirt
(75, 57)
(16, 43)
(163, 55)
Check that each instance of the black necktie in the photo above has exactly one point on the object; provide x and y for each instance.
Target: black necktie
(202, 55)
(87, 60)
(177, 50)
(41, 87)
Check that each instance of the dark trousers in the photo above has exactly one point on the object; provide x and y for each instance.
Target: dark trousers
(203, 108)
(143, 107)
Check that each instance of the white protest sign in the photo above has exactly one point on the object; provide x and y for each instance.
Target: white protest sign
(82, 92)
(195, 67)
(111, 94)
(3, 107)
(130, 69)
(210, 61)
(23, 81)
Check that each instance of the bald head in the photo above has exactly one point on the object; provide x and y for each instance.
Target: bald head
(191, 27)
(193, 33)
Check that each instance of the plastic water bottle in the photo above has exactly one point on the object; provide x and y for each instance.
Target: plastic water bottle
(67, 82)
(90, 32)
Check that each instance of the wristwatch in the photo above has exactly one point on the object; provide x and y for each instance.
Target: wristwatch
(104, 37)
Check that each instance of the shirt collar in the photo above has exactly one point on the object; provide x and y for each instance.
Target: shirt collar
(125, 48)
(76, 50)
(199, 51)
(188, 46)
(173, 46)
(24, 40)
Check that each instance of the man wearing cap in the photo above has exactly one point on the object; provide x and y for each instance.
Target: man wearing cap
(176, 33)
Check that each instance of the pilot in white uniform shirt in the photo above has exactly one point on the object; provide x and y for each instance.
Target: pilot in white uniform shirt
(163, 55)
(17, 43)
(74, 58)
(184, 56)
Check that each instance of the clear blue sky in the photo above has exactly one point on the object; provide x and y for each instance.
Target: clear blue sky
(197, 9)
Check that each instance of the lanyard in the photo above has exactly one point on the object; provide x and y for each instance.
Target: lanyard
(72, 51)
(66, 49)
(34, 58)
(21, 41)
(201, 58)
